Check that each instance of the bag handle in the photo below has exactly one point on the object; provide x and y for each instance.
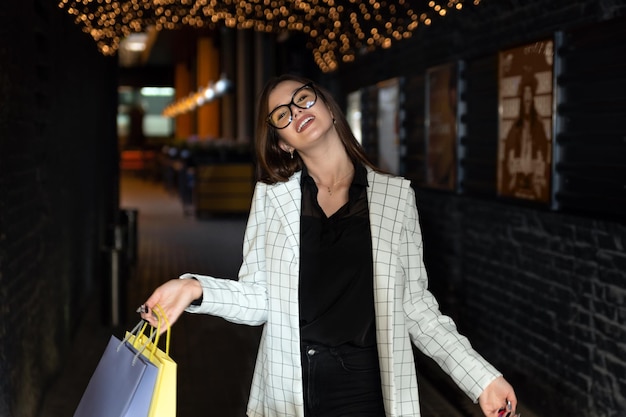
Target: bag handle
(162, 317)
(152, 340)
(155, 334)
(137, 332)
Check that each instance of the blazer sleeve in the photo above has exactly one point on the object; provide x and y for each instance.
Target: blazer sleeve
(433, 333)
(242, 301)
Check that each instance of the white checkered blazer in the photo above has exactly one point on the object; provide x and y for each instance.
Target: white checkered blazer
(266, 293)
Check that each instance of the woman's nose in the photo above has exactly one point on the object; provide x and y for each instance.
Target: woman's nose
(295, 110)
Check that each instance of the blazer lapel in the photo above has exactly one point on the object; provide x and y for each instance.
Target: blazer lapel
(286, 198)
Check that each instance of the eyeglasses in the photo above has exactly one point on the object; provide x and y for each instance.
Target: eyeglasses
(303, 98)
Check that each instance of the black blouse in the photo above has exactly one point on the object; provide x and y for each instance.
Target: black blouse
(336, 274)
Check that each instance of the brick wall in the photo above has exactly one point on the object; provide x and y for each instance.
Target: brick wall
(557, 286)
(57, 196)
(540, 293)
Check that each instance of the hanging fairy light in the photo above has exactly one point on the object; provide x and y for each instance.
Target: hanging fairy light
(338, 30)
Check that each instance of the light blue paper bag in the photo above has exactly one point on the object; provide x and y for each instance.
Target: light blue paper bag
(121, 385)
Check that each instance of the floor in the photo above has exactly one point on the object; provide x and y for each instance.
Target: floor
(215, 358)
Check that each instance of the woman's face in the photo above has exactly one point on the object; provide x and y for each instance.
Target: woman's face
(310, 118)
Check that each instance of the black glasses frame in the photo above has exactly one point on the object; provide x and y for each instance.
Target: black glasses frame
(295, 93)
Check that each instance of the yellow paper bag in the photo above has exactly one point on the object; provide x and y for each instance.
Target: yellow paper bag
(164, 398)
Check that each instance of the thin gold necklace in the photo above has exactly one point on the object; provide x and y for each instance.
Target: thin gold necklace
(330, 188)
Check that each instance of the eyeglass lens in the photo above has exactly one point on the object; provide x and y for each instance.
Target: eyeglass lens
(303, 98)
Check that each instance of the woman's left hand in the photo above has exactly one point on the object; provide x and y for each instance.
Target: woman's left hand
(495, 397)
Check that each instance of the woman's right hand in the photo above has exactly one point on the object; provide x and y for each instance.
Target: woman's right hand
(173, 297)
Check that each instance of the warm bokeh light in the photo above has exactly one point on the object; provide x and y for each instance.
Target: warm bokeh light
(339, 31)
(198, 98)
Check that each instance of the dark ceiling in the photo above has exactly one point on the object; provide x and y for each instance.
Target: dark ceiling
(155, 65)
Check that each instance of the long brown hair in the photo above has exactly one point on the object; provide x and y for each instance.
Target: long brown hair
(276, 165)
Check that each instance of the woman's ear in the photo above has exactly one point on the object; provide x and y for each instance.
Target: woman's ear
(285, 147)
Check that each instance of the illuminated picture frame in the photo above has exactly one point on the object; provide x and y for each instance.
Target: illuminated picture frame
(441, 124)
(526, 118)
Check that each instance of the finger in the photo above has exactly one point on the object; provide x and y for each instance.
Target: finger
(150, 318)
(505, 411)
(512, 399)
(171, 316)
(148, 315)
(163, 317)
(143, 312)
(154, 299)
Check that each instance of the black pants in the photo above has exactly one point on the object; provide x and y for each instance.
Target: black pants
(341, 382)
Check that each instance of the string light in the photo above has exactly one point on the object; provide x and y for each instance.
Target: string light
(338, 30)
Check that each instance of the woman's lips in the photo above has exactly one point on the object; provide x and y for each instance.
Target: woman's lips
(304, 123)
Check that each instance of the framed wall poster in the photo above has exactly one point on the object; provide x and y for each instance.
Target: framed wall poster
(525, 97)
(441, 126)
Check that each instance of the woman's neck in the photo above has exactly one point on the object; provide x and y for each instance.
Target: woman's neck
(327, 159)
(329, 169)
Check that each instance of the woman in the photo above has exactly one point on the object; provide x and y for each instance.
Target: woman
(332, 268)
